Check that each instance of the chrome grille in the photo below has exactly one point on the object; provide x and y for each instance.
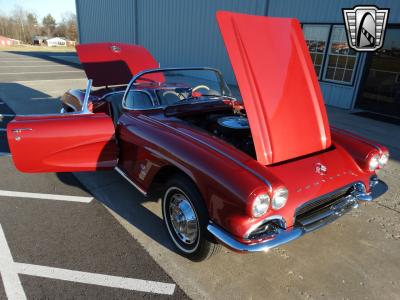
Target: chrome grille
(309, 212)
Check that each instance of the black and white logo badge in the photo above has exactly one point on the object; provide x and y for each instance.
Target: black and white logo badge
(365, 27)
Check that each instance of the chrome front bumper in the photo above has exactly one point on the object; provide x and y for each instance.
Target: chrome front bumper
(284, 236)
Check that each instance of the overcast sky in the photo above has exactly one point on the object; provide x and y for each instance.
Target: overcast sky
(41, 7)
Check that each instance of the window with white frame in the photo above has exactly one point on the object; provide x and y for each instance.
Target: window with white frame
(316, 37)
(341, 60)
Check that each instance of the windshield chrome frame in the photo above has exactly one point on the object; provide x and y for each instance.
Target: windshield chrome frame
(224, 85)
(85, 104)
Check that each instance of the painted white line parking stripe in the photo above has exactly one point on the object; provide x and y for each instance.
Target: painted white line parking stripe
(6, 115)
(96, 279)
(9, 275)
(35, 66)
(24, 61)
(45, 196)
(9, 271)
(3, 129)
(50, 72)
(48, 80)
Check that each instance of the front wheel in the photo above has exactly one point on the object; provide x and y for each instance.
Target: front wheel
(186, 219)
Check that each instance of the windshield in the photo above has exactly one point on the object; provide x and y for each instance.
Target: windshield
(173, 86)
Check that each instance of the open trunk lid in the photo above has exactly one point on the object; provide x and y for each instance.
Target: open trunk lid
(114, 63)
(278, 84)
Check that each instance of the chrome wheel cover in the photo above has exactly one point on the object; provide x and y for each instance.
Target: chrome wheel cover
(183, 218)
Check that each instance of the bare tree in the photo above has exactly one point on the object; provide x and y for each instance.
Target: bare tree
(32, 25)
(23, 25)
(18, 17)
(49, 24)
(68, 26)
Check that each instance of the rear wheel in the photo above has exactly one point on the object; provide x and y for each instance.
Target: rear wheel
(186, 219)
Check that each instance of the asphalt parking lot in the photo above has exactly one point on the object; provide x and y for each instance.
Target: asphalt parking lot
(56, 240)
(52, 248)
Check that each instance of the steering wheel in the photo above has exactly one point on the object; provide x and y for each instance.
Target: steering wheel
(201, 86)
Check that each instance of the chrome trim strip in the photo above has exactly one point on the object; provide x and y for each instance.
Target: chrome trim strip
(62, 111)
(19, 130)
(283, 237)
(134, 78)
(288, 235)
(259, 176)
(266, 220)
(373, 181)
(112, 93)
(122, 173)
(140, 91)
(85, 108)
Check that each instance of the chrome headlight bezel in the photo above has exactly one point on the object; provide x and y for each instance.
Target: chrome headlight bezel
(373, 162)
(383, 159)
(260, 205)
(280, 198)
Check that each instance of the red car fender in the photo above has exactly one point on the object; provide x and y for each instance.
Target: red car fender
(224, 183)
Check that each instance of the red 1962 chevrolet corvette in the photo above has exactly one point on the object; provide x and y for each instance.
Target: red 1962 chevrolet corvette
(251, 174)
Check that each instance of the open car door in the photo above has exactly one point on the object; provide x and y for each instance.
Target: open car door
(62, 143)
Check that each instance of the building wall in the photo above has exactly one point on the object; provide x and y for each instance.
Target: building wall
(185, 32)
(193, 40)
(106, 20)
(176, 32)
(328, 11)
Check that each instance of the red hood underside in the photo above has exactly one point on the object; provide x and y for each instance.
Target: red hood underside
(278, 85)
(114, 63)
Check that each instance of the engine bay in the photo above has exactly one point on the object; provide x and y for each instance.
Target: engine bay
(230, 126)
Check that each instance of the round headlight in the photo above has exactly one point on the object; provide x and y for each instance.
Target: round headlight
(374, 162)
(260, 205)
(280, 197)
(383, 160)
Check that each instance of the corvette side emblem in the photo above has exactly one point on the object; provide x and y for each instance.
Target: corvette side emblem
(320, 169)
(115, 48)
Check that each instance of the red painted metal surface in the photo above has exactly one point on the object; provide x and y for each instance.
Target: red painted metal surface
(114, 63)
(150, 141)
(361, 149)
(62, 143)
(278, 85)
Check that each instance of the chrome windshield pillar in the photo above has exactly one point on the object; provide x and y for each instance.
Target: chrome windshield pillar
(85, 108)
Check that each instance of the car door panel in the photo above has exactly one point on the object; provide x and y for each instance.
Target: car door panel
(63, 143)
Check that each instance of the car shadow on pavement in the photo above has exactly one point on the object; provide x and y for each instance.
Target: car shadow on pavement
(118, 195)
(6, 115)
(23, 100)
(18, 99)
(52, 56)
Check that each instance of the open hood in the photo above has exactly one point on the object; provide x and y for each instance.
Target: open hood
(114, 63)
(278, 84)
